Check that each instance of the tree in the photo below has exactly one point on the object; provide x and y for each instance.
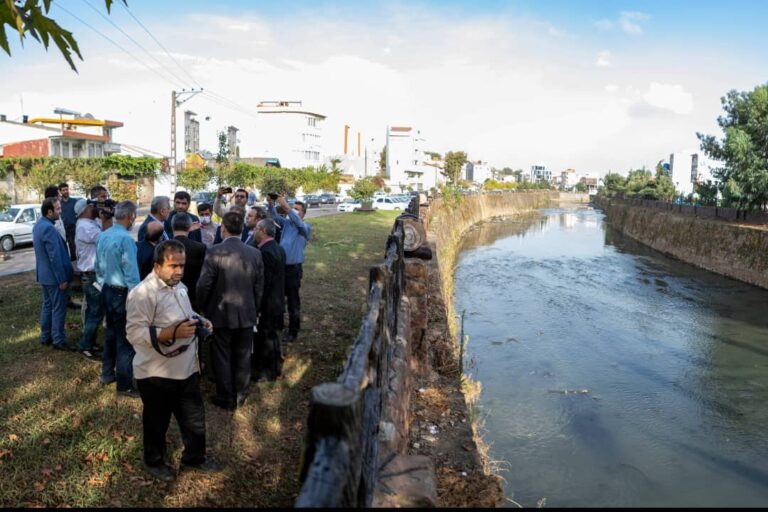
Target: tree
(580, 187)
(280, 184)
(707, 192)
(614, 184)
(363, 189)
(454, 161)
(383, 161)
(743, 150)
(30, 17)
(42, 175)
(194, 178)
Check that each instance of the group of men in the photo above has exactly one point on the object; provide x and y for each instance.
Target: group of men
(184, 281)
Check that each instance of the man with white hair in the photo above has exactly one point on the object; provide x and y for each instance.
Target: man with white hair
(159, 210)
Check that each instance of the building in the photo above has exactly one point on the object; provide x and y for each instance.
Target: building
(478, 172)
(590, 184)
(191, 133)
(686, 168)
(71, 135)
(539, 173)
(406, 169)
(291, 133)
(569, 179)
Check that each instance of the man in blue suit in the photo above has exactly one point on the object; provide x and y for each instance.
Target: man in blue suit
(159, 210)
(54, 272)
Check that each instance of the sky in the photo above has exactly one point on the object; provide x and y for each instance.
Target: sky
(595, 86)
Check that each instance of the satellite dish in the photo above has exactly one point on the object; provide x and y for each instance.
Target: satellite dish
(88, 115)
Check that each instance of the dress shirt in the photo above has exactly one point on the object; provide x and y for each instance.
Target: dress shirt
(154, 303)
(86, 235)
(295, 235)
(116, 263)
(59, 225)
(208, 233)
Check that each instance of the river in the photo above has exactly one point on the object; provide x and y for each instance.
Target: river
(612, 375)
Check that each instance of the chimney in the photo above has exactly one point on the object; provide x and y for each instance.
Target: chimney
(2, 118)
(358, 143)
(25, 119)
(346, 137)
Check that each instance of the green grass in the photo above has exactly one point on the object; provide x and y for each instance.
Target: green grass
(66, 440)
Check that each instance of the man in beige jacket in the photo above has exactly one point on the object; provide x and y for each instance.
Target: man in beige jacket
(162, 327)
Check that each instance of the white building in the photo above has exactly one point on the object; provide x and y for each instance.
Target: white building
(689, 167)
(477, 172)
(569, 178)
(291, 133)
(406, 160)
(539, 173)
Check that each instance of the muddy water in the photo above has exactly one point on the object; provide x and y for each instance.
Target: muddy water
(612, 375)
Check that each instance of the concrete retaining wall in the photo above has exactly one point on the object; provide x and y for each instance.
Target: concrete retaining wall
(732, 250)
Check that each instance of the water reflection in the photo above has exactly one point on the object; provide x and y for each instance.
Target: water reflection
(669, 362)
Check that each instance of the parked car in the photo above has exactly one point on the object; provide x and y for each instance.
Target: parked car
(327, 198)
(387, 203)
(312, 200)
(350, 205)
(16, 225)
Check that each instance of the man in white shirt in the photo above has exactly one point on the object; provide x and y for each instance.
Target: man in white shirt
(87, 232)
(162, 329)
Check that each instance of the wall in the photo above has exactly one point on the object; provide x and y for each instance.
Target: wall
(28, 148)
(729, 249)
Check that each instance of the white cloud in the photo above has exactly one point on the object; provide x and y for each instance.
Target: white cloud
(673, 98)
(604, 24)
(611, 88)
(603, 59)
(629, 21)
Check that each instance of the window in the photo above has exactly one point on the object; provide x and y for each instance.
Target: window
(28, 215)
(55, 148)
(311, 121)
(95, 150)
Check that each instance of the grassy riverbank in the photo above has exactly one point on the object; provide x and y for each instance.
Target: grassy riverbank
(67, 440)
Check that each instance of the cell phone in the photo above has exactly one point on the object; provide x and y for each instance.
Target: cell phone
(228, 190)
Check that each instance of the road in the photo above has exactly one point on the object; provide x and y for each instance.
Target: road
(23, 258)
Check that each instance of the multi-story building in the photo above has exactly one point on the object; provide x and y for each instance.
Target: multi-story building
(686, 168)
(191, 133)
(71, 135)
(569, 179)
(477, 172)
(291, 133)
(539, 173)
(406, 160)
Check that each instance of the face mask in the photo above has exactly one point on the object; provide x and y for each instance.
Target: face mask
(205, 219)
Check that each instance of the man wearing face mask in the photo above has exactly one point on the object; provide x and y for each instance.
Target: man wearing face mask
(117, 271)
(208, 228)
(163, 329)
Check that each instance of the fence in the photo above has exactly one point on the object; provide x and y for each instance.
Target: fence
(341, 453)
(707, 212)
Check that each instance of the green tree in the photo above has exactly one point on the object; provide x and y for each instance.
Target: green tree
(29, 17)
(363, 189)
(280, 184)
(614, 184)
(42, 175)
(194, 178)
(743, 149)
(580, 187)
(86, 174)
(454, 161)
(383, 161)
(707, 192)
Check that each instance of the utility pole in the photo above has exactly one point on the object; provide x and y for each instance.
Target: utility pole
(177, 99)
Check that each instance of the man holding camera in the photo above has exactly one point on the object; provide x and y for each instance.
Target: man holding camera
(231, 285)
(164, 331)
(240, 198)
(87, 233)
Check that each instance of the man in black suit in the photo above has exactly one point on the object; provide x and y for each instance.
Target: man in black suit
(181, 202)
(243, 236)
(230, 289)
(195, 254)
(159, 209)
(267, 358)
(145, 250)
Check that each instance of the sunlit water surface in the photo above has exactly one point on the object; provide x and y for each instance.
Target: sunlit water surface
(665, 367)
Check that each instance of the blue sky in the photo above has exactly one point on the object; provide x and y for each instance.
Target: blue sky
(591, 85)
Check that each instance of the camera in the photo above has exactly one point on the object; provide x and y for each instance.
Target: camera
(200, 330)
(103, 208)
(273, 196)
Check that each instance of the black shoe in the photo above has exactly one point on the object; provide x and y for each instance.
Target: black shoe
(164, 472)
(241, 398)
(46, 343)
(133, 393)
(96, 348)
(107, 382)
(90, 355)
(224, 404)
(206, 467)
(64, 346)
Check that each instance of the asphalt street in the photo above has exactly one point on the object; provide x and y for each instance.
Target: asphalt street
(23, 258)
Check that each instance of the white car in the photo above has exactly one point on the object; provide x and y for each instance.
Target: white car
(16, 225)
(349, 205)
(387, 203)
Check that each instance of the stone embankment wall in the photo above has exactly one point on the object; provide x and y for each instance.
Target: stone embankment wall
(726, 248)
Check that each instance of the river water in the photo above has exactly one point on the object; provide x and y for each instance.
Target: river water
(612, 375)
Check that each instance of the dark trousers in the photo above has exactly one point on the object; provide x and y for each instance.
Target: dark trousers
(293, 275)
(117, 358)
(94, 312)
(182, 398)
(53, 314)
(70, 231)
(231, 361)
(267, 359)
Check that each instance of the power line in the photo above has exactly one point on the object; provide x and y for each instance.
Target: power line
(223, 100)
(114, 43)
(162, 66)
(231, 106)
(160, 45)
